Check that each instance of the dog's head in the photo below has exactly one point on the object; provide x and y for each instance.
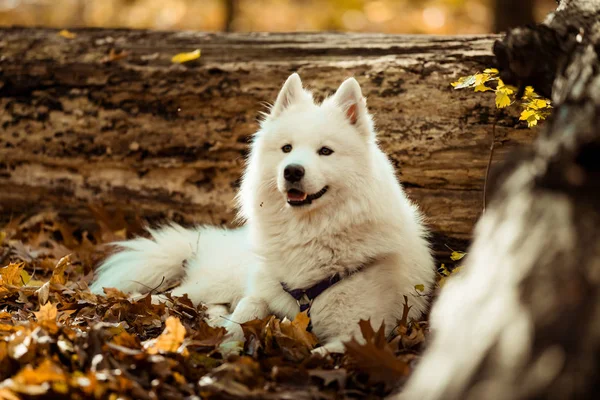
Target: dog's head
(307, 155)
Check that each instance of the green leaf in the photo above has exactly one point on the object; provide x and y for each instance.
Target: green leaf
(464, 82)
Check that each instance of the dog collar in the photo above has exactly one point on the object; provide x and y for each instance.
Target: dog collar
(305, 297)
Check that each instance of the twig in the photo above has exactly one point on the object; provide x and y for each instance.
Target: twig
(230, 320)
(152, 289)
(489, 164)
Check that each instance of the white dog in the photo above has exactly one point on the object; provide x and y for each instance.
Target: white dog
(328, 228)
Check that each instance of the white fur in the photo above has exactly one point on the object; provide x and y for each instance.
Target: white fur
(363, 216)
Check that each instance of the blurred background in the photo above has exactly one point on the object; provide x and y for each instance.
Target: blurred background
(389, 16)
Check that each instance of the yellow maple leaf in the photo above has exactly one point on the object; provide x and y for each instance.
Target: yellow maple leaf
(526, 114)
(480, 79)
(529, 93)
(180, 379)
(445, 274)
(11, 274)
(503, 93)
(170, 340)
(457, 255)
(531, 116)
(531, 122)
(47, 317)
(67, 34)
(185, 57)
(46, 372)
(538, 103)
(502, 99)
(48, 312)
(11, 328)
(482, 88)
(444, 270)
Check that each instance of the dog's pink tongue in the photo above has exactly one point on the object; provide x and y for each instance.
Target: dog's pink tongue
(296, 195)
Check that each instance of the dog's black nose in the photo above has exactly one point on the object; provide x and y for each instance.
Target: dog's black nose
(293, 173)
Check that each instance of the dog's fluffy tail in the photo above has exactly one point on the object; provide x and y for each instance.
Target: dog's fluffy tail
(143, 264)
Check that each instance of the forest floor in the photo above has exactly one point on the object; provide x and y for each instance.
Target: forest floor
(59, 340)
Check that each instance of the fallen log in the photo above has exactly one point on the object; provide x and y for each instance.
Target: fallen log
(106, 117)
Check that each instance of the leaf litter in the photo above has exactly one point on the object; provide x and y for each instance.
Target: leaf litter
(57, 339)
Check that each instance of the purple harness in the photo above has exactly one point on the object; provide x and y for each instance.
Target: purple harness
(305, 297)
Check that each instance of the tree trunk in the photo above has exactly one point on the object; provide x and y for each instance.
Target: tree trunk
(522, 321)
(512, 13)
(161, 140)
(230, 14)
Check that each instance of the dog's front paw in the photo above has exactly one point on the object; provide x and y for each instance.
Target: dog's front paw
(234, 331)
(320, 351)
(330, 347)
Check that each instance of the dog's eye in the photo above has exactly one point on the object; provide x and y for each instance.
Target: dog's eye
(325, 151)
(287, 148)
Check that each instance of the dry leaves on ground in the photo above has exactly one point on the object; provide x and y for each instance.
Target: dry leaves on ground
(59, 340)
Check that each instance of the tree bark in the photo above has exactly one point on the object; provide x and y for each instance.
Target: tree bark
(161, 140)
(521, 320)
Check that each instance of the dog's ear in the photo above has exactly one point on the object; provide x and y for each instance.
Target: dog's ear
(349, 97)
(291, 93)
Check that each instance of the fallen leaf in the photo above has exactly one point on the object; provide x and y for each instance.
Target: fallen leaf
(113, 55)
(113, 293)
(375, 357)
(6, 394)
(67, 34)
(207, 336)
(297, 330)
(186, 57)
(457, 255)
(117, 346)
(43, 293)
(58, 275)
(48, 312)
(37, 380)
(11, 274)
(170, 340)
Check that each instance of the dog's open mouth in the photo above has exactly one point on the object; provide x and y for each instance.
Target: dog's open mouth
(297, 197)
